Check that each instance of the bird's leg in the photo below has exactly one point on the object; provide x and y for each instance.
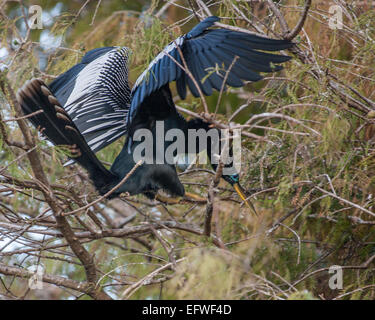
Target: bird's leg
(167, 200)
(188, 197)
(195, 197)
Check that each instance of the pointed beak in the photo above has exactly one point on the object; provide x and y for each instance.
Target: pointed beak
(241, 193)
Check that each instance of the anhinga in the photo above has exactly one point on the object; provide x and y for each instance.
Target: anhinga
(91, 105)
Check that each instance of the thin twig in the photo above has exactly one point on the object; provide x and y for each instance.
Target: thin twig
(139, 163)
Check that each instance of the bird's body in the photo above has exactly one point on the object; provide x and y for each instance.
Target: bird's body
(91, 105)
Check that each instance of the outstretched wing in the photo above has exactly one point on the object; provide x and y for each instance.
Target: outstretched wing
(208, 55)
(96, 95)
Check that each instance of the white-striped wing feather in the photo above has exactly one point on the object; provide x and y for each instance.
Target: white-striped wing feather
(99, 101)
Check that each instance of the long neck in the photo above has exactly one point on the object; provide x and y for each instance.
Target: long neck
(214, 146)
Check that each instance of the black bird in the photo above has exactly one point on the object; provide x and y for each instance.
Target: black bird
(91, 105)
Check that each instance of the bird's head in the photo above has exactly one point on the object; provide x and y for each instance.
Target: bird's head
(234, 180)
(231, 176)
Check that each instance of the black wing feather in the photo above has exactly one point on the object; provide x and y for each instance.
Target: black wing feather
(204, 50)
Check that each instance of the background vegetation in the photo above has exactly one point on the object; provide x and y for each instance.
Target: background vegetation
(308, 163)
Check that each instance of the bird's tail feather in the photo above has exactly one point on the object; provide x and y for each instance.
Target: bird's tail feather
(55, 123)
